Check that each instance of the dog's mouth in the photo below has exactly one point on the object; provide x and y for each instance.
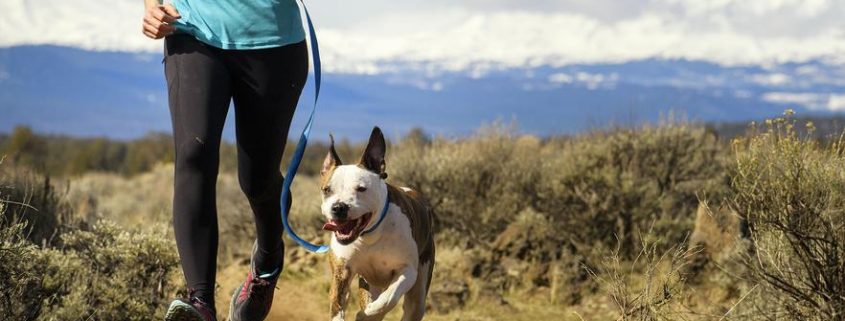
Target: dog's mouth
(346, 231)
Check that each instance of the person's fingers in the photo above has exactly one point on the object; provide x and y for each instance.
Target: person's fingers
(157, 14)
(149, 27)
(171, 11)
(153, 22)
(150, 34)
(156, 21)
(161, 14)
(158, 28)
(168, 19)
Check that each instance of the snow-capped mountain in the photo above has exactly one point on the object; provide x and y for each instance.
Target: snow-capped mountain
(118, 94)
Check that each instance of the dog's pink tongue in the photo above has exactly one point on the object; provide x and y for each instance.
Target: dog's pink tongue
(330, 226)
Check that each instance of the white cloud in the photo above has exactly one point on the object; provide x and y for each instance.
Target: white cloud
(589, 80)
(813, 101)
(836, 102)
(115, 25)
(561, 78)
(754, 7)
(375, 37)
(803, 99)
(773, 79)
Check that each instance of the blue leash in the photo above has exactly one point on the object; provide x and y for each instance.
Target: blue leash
(300, 150)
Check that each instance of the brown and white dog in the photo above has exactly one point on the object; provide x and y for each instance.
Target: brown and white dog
(395, 259)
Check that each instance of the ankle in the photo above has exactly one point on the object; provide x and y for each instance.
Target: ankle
(204, 298)
(269, 262)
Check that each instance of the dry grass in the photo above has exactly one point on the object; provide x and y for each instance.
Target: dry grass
(527, 228)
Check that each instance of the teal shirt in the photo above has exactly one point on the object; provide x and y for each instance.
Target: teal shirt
(241, 24)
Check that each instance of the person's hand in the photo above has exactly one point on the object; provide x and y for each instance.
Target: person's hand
(158, 21)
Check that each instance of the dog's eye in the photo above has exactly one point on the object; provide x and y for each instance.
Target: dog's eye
(327, 190)
(361, 189)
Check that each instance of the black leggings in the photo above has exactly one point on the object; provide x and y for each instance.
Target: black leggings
(265, 85)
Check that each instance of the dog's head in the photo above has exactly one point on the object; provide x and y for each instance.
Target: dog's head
(353, 195)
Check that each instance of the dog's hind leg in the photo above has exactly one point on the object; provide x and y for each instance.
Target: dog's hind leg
(413, 308)
(339, 291)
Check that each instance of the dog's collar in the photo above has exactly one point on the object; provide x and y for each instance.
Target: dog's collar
(380, 217)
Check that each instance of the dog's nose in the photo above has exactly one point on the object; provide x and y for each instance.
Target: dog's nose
(339, 210)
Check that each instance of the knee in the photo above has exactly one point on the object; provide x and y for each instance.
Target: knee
(260, 187)
(197, 156)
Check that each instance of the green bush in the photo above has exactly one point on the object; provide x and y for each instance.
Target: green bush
(791, 190)
(476, 185)
(20, 273)
(594, 188)
(109, 274)
(102, 272)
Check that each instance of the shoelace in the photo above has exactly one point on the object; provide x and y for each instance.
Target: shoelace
(259, 282)
(258, 288)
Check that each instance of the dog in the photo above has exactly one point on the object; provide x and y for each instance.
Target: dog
(394, 259)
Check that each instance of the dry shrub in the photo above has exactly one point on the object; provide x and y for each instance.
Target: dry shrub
(531, 255)
(109, 274)
(537, 211)
(136, 201)
(477, 184)
(792, 191)
(132, 202)
(721, 236)
(33, 200)
(591, 186)
(451, 286)
(649, 288)
(80, 273)
(19, 279)
(605, 186)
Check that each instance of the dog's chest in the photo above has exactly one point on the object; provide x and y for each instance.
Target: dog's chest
(379, 256)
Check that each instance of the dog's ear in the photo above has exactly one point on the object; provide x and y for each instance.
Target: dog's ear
(373, 158)
(332, 160)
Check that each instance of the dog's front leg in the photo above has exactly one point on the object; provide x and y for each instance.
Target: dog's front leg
(388, 299)
(339, 292)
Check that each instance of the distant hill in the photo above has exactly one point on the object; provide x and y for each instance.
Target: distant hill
(122, 95)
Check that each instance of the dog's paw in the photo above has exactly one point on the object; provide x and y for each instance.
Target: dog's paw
(373, 311)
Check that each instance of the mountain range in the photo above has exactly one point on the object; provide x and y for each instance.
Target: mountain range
(122, 95)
